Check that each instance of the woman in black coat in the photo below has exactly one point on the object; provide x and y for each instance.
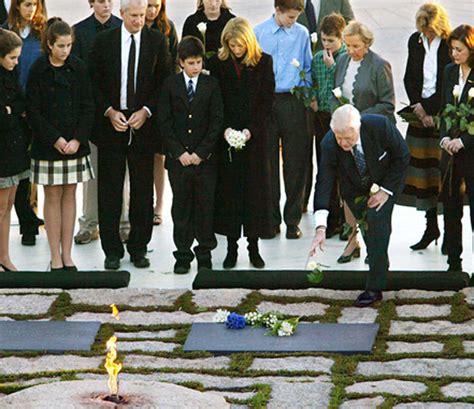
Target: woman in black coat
(243, 196)
(213, 15)
(14, 162)
(457, 161)
(428, 54)
(61, 114)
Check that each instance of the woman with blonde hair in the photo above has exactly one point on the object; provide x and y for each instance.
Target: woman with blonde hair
(213, 15)
(428, 54)
(365, 80)
(243, 196)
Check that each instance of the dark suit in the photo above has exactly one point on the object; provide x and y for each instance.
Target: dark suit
(115, 148)
(462, 168)
(194, 128)
(386, 155)
(3, 12)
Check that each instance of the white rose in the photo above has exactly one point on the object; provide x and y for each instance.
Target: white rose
(312, 265)
(456, 91)
(374, 189)
(295, 63)
(337, 92)
(470, 94)
(220, 316)
(202, 27)
(314, 38)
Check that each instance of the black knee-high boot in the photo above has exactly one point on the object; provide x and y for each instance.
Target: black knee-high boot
(431, 232)
(231, 258)
(254, 256)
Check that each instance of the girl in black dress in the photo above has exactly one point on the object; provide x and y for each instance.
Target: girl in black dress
(14, 163)
(243, 196)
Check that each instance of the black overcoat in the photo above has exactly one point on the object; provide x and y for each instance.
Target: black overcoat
(243, 196)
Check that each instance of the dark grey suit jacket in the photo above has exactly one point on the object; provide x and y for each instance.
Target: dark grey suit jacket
(373, 87)
(343, 7)
(386, 154)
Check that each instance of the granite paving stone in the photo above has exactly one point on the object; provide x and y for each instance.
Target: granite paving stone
(234, 395)
(468, 346)
(222, 297)
(423, 310)
(141, 361)
(366, 403)
(170, 333)
(458, 390)
(30, 291)
(313, 292)
(146, 346)
(47, 363)
(431, 328)
(34, 381)
(469, 294)
(294, 394)
(305, 363)
(135, 297)
(416, 294)
(390, 386)
(354, 315)
(144, 318)
(415, 347)
(425, 367)
(298, 309)
(434, 405)
(26, 304)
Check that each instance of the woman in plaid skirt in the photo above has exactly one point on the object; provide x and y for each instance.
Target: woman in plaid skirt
(60, 113)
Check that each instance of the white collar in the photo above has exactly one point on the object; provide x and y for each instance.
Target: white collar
(193, 79)
(127, 34)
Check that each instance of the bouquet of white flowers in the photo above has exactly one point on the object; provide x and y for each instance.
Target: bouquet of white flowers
(235, 139)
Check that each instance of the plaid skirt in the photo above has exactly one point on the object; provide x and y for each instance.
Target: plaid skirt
(61, 172)
(10, 181)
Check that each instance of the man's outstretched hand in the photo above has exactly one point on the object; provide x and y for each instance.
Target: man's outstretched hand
(318, 241)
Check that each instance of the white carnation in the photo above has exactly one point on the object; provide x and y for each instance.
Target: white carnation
(295, 63)
(221, 316)
(314, 38)
(236, 139)
(202, 27)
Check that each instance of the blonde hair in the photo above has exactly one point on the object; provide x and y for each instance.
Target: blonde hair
(432, 16)
(240, 30)
(200, 5)
(355, 28)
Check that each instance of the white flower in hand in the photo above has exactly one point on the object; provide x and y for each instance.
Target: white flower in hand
(202, 27)
(456, 91)
(470, 94)
(337, 92)
(314, 38)
(295, 63)
(374, 189)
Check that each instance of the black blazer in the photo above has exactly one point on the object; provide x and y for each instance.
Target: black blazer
(154, 65)
(192, 127)
(59, 104)
(85, 33)
(3, 12)
(13, 141)
(173, 43)
(413, 78)
(386, 154)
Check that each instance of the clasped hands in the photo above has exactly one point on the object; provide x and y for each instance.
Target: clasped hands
(120, 123)
(66, 148)
(452, 146)
(187, 159)
(426, 120)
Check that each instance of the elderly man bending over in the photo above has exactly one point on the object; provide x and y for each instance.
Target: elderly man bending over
(370, 158)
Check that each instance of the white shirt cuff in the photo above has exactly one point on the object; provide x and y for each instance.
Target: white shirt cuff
(442, 141)
(321, 218)
(107, 111)
(147, 110)
(389, 192)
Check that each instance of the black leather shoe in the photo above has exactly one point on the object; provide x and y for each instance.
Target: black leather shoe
(256, 259)
(140, 261)
(28, 239)
(293, 232)
(455, 266)
(367, 298)
(366, 260)
(112, 263)
(181, 267)
(230, 259)
(428, 237)
(70, 269)
(204, 265)
(346, 259)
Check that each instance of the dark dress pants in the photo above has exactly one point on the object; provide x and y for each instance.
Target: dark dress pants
(376, 239)
(290, 126)
(453, 202)
(111, 165)
(193, 209)
(29, 222)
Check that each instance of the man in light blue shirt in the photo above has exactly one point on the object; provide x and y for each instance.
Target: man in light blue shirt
(289, 44)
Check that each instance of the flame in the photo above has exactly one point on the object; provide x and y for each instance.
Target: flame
(115, 312)
(113, 368)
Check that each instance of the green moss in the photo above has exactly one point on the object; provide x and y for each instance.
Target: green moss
(197, 386)
(240, 362)
(61, 307)
(185, 303)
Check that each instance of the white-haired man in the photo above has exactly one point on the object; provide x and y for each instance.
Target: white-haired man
(369, 157)
(128, 65)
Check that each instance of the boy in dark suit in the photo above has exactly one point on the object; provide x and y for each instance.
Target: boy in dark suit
(191, 119)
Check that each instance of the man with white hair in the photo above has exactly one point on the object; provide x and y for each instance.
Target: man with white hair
(369, 157)
(128, 65)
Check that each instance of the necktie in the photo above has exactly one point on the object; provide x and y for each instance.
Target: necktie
(131, 76)
(311, 16)
(361, 165)
(190, 90)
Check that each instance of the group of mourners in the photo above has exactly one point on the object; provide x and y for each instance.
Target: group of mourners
(111, 102)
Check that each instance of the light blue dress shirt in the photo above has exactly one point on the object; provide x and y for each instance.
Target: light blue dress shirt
(284, 45)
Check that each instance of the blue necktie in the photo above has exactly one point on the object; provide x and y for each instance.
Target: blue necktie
(361, 165)
(190, 90)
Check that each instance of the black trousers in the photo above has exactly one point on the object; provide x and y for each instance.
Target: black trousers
(290, 126)
(193, 209)
(376, 239)
(453, 201)
(29, 222)
(112, 162)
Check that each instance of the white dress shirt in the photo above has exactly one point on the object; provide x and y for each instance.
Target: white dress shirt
(7, 5)
(193, 79)
(126, 40)
(430, 65)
